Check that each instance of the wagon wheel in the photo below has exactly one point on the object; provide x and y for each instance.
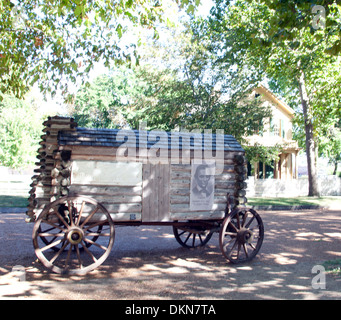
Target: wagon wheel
(192, 237)
(49, 240)
(241, 235)
(69, 226)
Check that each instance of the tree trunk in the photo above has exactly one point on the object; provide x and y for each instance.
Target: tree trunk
(335, 168)
(309, 138)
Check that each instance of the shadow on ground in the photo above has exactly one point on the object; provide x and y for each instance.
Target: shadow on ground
(147, 263)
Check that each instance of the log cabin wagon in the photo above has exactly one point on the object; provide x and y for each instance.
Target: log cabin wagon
(90, 180)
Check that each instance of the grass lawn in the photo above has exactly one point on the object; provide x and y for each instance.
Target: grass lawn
(13, 201)
(321, 201)
(333, 267)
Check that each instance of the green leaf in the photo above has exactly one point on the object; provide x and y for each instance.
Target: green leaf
(119, 30)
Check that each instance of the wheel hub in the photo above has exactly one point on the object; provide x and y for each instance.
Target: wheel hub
(75, 235)
(245, 236)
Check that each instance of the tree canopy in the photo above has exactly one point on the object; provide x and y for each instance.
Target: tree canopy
(283, 42)
(20, 131)
(54, 42)
(187, 91)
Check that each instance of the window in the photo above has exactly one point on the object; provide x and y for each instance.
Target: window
(282, 128)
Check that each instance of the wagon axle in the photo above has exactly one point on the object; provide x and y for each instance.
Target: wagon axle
(245, 236)
(75, 235)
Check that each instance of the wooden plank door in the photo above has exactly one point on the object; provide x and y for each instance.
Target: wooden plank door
(155, 192)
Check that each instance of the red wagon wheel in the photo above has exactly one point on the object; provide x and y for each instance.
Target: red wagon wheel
(241, 235)
(73, 235)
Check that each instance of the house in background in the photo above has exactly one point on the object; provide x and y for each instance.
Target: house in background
(277, 130)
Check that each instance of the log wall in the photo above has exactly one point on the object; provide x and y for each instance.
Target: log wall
(53, 169)
(162, 193)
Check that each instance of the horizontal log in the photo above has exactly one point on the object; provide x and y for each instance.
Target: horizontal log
(174, 186)
(180, 175)
(197, 215)
(60, 125)
(105, 190)
(117, 208)
(185, 207)
(116, 199)
(59, 119)
(117, 217)
(186, 191)
(177, 199)
(180, 181)
(181, 167)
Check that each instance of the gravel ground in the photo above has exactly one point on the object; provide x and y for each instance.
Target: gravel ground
(147, 263)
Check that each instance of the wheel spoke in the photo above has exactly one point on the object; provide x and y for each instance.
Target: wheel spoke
(96, 244)
(79, 257)
(180, 234)
(233, 234)
(249, 223)
(59, 252)
(238, 220)
(88, 252)
(245, 250)
(193, 243)
(53, 244)
(47, 234)
(100, 223)
(233, 226)
(244, 219)
(245, 242)
(61, 219)
(80, 213)
(189, 234)
(70, 208)
(54, 226)
(233, 247)
(200, 239)
(89, 216)
(97, 234)
(68, 256)
(252, 246)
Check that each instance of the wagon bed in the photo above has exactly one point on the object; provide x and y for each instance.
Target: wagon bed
(90, 180)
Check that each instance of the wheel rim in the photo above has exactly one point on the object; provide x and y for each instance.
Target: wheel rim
(192, 237)
(65, 231)
(241, 235)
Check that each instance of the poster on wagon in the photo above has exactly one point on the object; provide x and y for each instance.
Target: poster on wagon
(202, 186)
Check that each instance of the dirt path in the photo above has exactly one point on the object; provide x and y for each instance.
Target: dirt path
(147, 263)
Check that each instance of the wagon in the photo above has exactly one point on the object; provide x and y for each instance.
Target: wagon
(89, 181)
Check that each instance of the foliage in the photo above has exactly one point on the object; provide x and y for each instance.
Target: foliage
(330, 147)
(100, 104)
(258, 153)
(187, 91)
(196, 93)
(20, 131)
(53, 42)
(277, 40)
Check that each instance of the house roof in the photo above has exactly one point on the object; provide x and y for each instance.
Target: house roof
(279, 103)
(139, 138)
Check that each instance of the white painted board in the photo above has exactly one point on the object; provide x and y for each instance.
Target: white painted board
(108, 173)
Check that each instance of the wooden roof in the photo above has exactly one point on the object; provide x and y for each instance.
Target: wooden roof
(135, 138)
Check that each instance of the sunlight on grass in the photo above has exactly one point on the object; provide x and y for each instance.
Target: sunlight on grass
(320, 201)
(333, 267)
(13, 201)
